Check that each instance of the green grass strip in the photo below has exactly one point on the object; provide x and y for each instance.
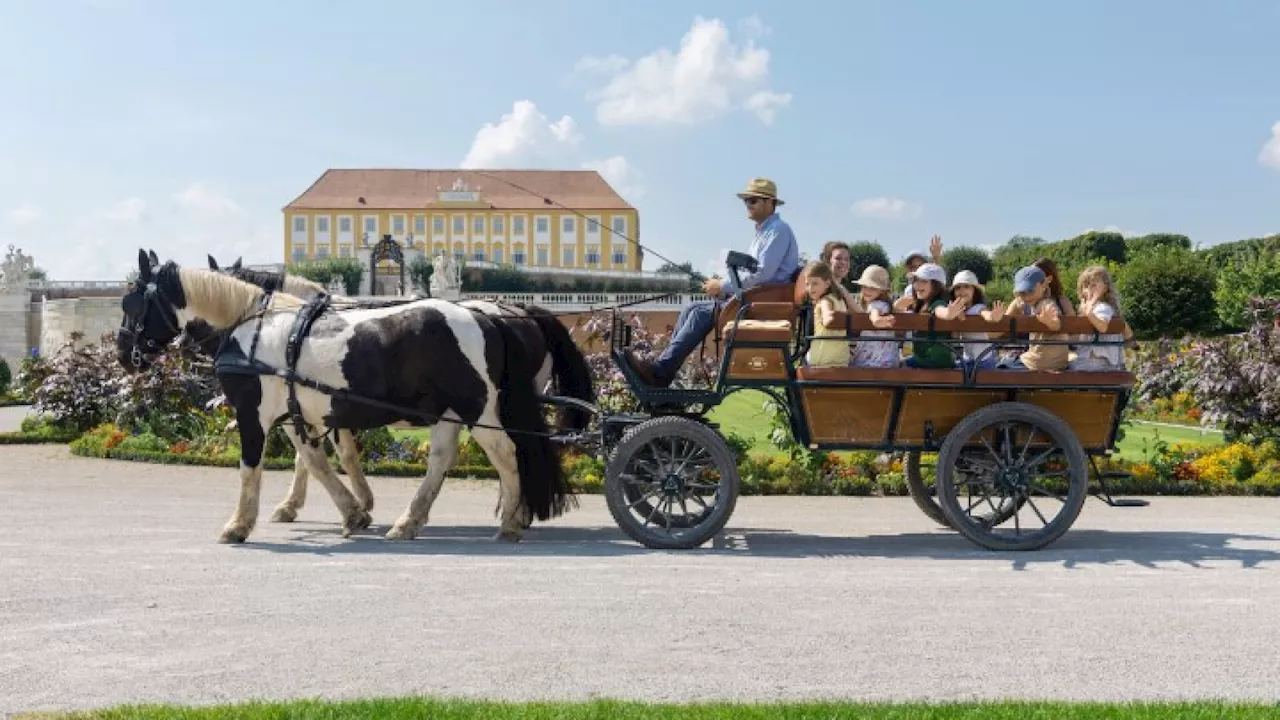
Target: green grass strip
(407, 708)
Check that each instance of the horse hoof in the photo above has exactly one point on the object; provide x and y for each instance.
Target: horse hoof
(233, 535)
(284, 515)
(507, 536)
(400, 533)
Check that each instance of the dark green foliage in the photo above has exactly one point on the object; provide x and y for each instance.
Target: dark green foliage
(6, 376)
(973, 259)
(419, 273)
(1246, 277)
(864, 254)
(1156, 241)
(1168, 293)
(323, 271)
(1222, 255)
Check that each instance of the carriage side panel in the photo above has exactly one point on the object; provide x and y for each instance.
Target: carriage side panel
(849, 415)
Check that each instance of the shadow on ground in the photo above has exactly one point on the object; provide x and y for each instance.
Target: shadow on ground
(1076, 549)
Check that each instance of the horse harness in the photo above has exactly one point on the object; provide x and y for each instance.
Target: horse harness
(233, 361)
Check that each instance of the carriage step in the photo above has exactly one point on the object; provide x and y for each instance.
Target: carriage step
(1103, 493)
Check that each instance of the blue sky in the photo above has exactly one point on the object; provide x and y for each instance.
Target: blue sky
(186, 126)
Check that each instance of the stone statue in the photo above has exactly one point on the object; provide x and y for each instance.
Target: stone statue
(337, 286)
(446, 278)
(15, 269)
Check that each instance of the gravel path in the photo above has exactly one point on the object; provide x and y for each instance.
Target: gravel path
(112, 590)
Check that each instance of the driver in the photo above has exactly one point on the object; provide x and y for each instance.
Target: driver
(774, 248)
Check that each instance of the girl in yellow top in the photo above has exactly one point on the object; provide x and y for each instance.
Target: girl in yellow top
(827, 300)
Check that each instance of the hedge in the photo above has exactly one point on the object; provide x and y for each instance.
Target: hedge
(387, 469)
(37, 438)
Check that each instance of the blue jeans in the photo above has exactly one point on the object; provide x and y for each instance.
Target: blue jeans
(986, 363)
(695, 322)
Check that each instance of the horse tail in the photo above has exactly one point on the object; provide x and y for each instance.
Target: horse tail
(543, 484)
(569, 365)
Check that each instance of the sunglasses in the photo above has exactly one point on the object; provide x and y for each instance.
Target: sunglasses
(752, 201)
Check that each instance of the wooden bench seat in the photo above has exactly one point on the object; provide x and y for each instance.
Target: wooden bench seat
(771, 331)
(990, 378)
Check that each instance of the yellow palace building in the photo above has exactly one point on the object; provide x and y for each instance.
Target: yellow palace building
(469, 214)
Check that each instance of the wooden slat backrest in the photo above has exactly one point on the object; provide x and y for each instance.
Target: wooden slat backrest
(1071, 325)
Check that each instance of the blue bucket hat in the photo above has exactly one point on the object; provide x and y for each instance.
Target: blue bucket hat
(1027, 279)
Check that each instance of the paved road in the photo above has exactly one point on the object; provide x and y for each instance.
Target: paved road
(112, 590)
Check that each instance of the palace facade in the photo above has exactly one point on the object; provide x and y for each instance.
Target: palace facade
(495, 216)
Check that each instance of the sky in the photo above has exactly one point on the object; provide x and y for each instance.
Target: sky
(187, 126)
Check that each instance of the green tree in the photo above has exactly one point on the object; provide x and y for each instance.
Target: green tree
(323, 271)
(864, 254)
(419, 273)
(1252, 276)
(1168, 293)
(1136, 246)
(969, 258)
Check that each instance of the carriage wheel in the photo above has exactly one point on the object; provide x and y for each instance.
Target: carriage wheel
(671, 483)
(923, 493)
(1016, 456)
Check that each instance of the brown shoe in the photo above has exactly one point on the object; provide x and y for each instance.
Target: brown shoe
(645, 370)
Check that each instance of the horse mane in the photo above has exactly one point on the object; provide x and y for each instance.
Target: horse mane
(221, 300)
(300, 286)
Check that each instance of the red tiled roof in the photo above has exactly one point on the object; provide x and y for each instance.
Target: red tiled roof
(411, 189)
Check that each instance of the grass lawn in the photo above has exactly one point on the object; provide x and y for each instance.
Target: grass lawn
(742, 413)
(602, 710)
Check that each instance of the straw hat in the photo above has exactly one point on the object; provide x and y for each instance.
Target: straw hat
(874, 276)
(761, 188)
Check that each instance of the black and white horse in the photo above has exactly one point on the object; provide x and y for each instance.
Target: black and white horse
(562, 369)
(430, 357)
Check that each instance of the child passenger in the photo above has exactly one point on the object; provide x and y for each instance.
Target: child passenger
(1032, 289)
(873, 298)
(928, 285)
(1099, 303)
(967, 299)
(820, 284)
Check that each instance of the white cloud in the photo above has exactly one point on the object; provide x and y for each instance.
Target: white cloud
(25, 215)
(130, 210)
(1270, 155)
(886, 208)
(523, 138)
(766, 104)
(620, 174)
(707, 77)
(206, 202)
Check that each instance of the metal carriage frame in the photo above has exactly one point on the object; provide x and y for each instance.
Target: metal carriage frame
(977, 421)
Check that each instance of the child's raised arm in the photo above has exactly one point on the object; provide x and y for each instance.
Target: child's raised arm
(827, 312)
(950, 312)
(881, 320)
(995, 313)
(1100, 315)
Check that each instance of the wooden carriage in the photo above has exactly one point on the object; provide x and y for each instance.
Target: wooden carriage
(1006, 440)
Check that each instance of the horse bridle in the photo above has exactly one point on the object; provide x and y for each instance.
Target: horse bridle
(152, 296)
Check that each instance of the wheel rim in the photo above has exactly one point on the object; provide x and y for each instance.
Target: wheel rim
(670, 484)
(1019, 474)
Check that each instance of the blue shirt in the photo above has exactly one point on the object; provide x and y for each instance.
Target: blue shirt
(776, 249)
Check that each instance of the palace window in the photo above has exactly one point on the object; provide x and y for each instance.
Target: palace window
(322, 224)
(567, 225)
(459, 224)
(344, 224)
(498, 225)
(619, 257)
(541, 225)
(437, 224)
(593, 254)
(620, 226)
(517, 256)
(478, 255)
(397, 224)
(542, 257)
(477, 225)
(568, 257)
(517, 225)
(497, 254)
(299, 223)
(419, 226)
